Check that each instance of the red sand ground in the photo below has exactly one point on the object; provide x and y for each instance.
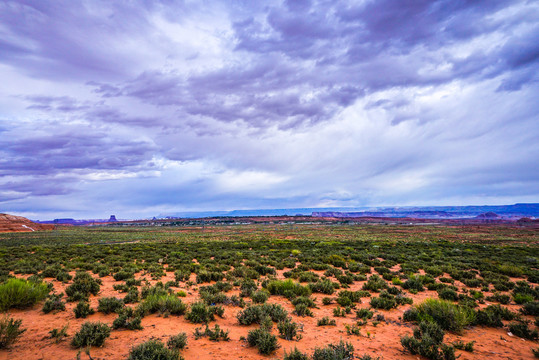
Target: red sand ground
(381, 340)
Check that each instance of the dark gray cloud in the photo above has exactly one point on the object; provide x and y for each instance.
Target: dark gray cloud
(301, 103)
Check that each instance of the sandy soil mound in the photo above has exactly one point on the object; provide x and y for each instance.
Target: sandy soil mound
(12, 223)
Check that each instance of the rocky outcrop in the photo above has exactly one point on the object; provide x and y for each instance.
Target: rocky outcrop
(12, 223)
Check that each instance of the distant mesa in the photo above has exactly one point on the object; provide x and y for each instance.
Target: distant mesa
(113, 218)
(488, 216)
(12, 223)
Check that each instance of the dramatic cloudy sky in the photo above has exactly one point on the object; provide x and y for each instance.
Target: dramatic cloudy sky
(138, 108)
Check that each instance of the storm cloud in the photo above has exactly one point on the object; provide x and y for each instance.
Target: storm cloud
(141, 108)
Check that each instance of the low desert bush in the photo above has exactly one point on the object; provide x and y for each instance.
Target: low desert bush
(91, 334)
(326, 321)
(59, 334)
(54, 303)
(295, 355)
(201, 313)
(340, 351)
(302, 310)
(108, 305)
(257, 313)
(83, 309)
(10, 330)
(263, 340)
(127, 319)
(260, 296)
(427, 341)
(21, 294)
(449, 316)
(522, 330)
(153, 350)
(215, 334)
(288, 329)
(501, 298)
(364, 314)
(531, 308)
(463, 346)
(493, 315)
(325, 286)
(178, 341)
(287, 288)
(375, 283)
(82, 287)
(162, 304)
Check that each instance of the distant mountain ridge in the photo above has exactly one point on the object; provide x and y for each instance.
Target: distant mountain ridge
(509, 212)
(515, 211)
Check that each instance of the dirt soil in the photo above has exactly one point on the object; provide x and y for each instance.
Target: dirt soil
(381, 340)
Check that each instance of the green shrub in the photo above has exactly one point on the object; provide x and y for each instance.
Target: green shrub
(501, 298)
(21, 294)
(339, 312)
(536, 353)
(200, 313)
(82, 287)
(288, 329)
(364, 314)
(153, 350)
(127, 319)
(10, 330)
(208, 276)
(427, 341)
(178, 341)
(123, 275)
(375, 283)
(493, 315)
(449, 316)
(340, 351)
(215, 334)
(260, 296)
(91, 334)
(327, 300)
(326, 321)
(132, 296)
(531, 308)
(108, 305)
(520, 298)
(82, 310)
(157, 290)
(510, 270)
(448, 294)
(307, 301)
(287, 288)
(263, 340)
(323, 286)
(257, 313)
(352, 329)
(54, 303)
(59, 334)
(463, 346)
(521, 329)
(302, 310)
(162, 304)
(385, 301)
(295, 355)
(180, 275)
(414, 283)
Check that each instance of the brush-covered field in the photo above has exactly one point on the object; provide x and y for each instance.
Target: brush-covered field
(271, 292)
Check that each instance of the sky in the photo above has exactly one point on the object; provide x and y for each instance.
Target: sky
(139, 108)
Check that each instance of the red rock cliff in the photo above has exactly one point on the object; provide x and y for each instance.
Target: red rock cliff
(12, 223)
